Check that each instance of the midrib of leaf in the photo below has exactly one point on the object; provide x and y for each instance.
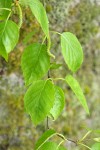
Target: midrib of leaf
(45, 141)
(5, 25)
(42, 90)
(78, 92)
(68, 48)
(36, 5)
(3, 29)
(40, 94)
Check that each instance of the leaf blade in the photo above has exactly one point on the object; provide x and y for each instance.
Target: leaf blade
(96, 146)
(9, 35)
(55, 66)
(35, 62)
(44, 138)
(58, 103)
(3, 52)
(51, 146)
(40, 14)
(62, 148)
(72, 51)
(39, 100)
(4, 4)
(72, 82)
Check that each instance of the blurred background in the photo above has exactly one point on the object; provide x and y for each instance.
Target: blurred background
(81, 17)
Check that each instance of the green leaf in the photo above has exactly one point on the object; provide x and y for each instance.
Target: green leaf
(4, 4)
(35, 62)
(40, 14)
(9, 35)
(59, 102)
(72, 82)
(72, 51)
(96, 146)
(44, 138)
(55, 66)
(62, 148)
(39, 100)
(49, 146)
(97, 139)
(96, 131)
(3, 52)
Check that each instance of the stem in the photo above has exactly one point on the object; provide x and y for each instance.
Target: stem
(84, 145)
(75, 142)
(20, 15)
(47, 116)
(47, 123)
(56, 32)
(60, 144)
(49, 41)
(43, 40)
(61, 136)
(49, 46)
(5, 9)
(59, 79)
(84, 137)
(67, 139)
(49, 74)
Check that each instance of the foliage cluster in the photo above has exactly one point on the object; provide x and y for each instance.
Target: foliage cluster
(43, 98)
